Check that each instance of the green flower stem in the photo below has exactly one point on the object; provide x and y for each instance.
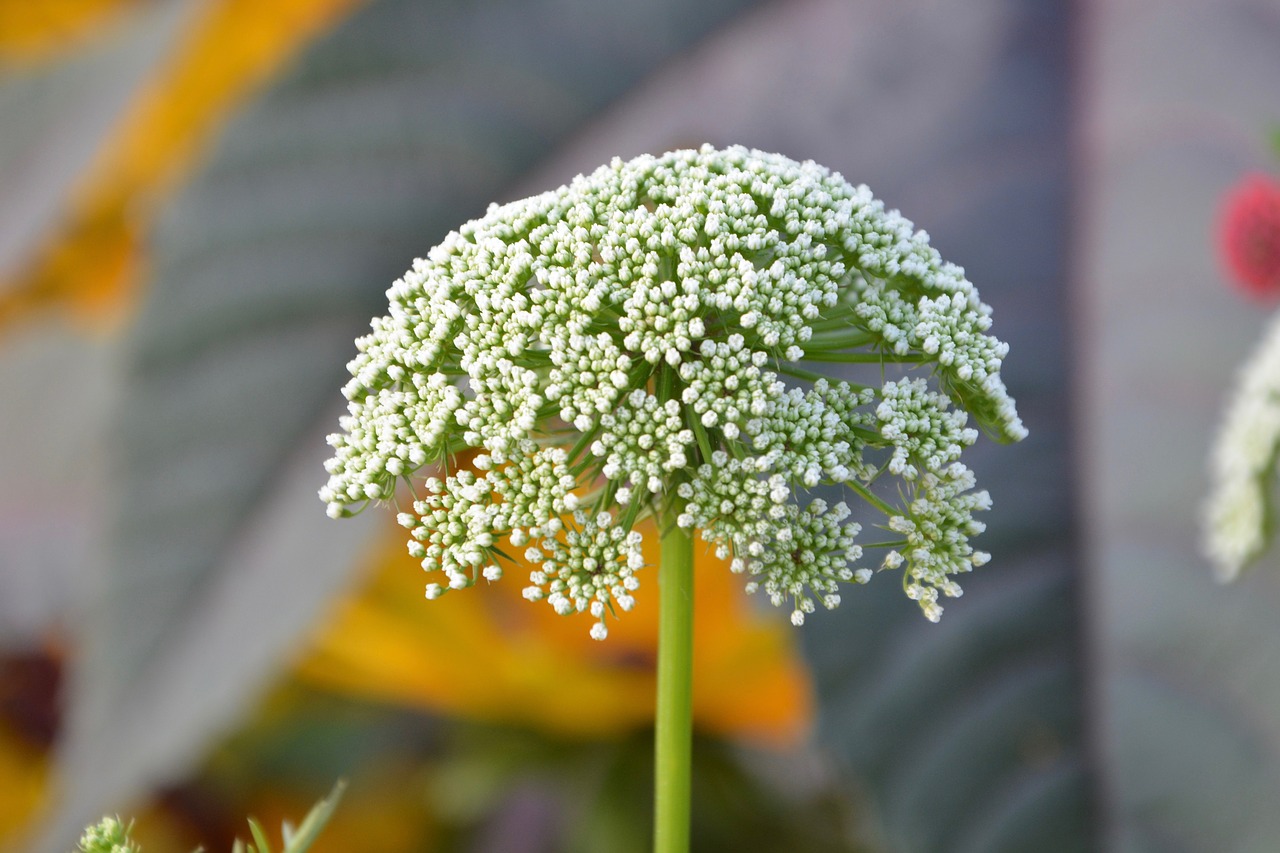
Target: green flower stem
(870, 497)
(673, 742)
(801, 373)
(846, 337)
(868, 357)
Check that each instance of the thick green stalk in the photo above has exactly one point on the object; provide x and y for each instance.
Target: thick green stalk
(673, 741)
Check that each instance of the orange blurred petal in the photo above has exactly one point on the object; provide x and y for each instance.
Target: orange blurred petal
(91, 264)
(486, 653)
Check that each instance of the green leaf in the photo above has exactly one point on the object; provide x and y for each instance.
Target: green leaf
(299, 840)
(970, 735)
(263, 844)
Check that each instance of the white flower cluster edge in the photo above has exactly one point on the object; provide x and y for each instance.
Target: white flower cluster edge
(647, 341)
(1238, 511)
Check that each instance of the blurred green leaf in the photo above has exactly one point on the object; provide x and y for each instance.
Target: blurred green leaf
(599, 796)
(970, 735)
(261, 844)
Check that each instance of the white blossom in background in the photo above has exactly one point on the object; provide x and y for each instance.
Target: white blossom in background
(653, 335)
(1239, 509)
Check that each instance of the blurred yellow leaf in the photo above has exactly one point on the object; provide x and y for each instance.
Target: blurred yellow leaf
(33, 30)
(92, 263)
(488, 654)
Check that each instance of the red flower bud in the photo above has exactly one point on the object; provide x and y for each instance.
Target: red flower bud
(1249, 235)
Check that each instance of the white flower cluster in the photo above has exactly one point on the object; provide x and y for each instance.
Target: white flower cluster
(937, 524)
(726, 386)
(916, 421)
(592, 569)
(811, 434)
(913, 301)
(643, 441)
(756, 520)
(1239, 510)
(633, 340)
(811, 550)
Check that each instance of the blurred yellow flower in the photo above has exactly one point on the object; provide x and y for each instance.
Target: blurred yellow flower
(526, 665)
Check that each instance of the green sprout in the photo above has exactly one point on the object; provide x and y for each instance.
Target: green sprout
(111, 835)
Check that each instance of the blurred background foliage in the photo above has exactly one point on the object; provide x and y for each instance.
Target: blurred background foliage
(203, 201)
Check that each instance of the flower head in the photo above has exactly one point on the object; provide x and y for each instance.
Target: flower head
(634, 340)
(1250, 235)
(1239, 510)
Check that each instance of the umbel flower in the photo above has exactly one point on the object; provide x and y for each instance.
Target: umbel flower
(1239, 510)
(644, 341)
